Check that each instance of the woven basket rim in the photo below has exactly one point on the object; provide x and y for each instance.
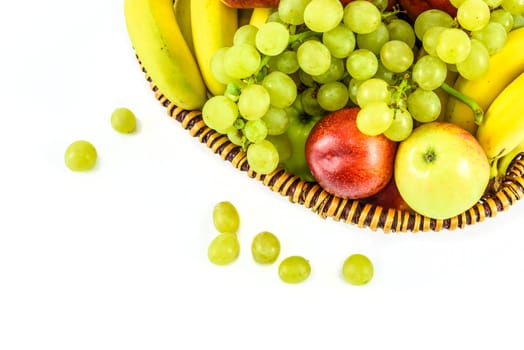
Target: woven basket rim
(352, 211)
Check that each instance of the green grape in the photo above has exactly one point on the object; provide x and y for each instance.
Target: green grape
(335, 72)
(333, 96)
(473, 14)
(503, 17)
(292, 11)
(287, 62)
(313, 57)
(323, 15)
(373, 41)
(255, 130)
(353, 87)
(309, 101)
(424, 106)
(431, 18)
(123, 120)
(281, 88)
(283, 146)
(272, 38)
(396, 56)
(254, 101)
(236, 136)
(340, 41)
(513, 6)
(217, 66)
(429, 72)
(294, 269)
(401, 127)
(241, 61)
(362, 16)
(453, 45)
(276, 120)
(265, 248)
(80, 155)
(223, 249)
(219, 113)
(430, 39)
(382, 5)
(493, 36)
(306, 78)
(374, 118)
(362, 64)
(245, 34)
(518, 20)
(225, 217)
(400, 29)
(385, 74)
(477, 62)
(493, 4)
(373, 90)
(456, 3)
(357, 269)
(262, 157)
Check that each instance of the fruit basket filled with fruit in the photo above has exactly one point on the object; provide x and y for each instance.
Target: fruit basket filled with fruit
(395, 115)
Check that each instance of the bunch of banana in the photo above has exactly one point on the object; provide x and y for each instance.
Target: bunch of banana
(504, 67)
(164, 53)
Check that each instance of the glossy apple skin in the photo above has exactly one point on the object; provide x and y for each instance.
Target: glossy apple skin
(389, 198)
(344, 161)
(441, 170)
(415, 7)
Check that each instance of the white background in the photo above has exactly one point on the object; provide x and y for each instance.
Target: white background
(115, 258)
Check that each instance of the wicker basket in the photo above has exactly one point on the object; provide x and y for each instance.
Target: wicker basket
(326, 205)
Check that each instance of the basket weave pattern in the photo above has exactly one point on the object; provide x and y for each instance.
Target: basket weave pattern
(326, 205)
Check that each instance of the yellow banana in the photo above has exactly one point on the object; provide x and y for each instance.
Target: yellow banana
(504, 66)
(183, 17)
(260, 15)
(505, 161)
(502, 128)
(163, 52)
(213, 24)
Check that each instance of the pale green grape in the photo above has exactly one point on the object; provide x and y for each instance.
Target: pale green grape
(385, 74)
(292, 11)
(477, 62)
(335, 72)
(430, 39)
(400, 29)
(294, 269)
(323, 15)
(225, 217)
(255, 130)
(374, 118)
(362, 16)
(502, 17)
(262, 157)
(123, 120)
(272, 38)
(396, 56)
(518, 20)
(473, 14)
(265, 248)
(513, 6)
(236, 136)
(245, 34)
(373, 41)
(223, 249)
(362, 64)
(401, 127)
(310, 103)
(283, 146)
(353, 87)
(493, 36)
(493, 4)
(424, 106)
(219, 113)
(217, 66)
(357, 269)
(382, 5)
(254, 101)
(340, 41)
(453, 45)
(80, 155)
(287, 62)
(313, 57)
(241, 61)
(276, 120)
(456, 3)
(306, 78)
(373, 90)
(281, 88)
(431, 18)
(333, 96)
(429, 72)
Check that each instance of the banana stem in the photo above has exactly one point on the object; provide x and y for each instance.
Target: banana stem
(478, 113)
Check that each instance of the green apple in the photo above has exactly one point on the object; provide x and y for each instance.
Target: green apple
(441, 170)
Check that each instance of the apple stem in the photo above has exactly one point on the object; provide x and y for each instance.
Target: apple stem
(478, 113)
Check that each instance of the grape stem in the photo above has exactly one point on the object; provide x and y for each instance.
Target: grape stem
(478, 113)
(302, 36)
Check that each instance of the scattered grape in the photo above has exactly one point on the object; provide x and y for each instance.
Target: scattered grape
(294, 269)
(123, 120)
(357, 269)
(225, 217)
(265, 248)
(80, 155)
(224, 249)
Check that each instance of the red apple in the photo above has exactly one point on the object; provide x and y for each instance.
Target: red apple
(344, 161)
(389, 197)
(415, 7)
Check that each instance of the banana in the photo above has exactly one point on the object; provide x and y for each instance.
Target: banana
(163, 52)
(505, 161)
(213, 25)
(502, 128)
(183, 17)
(504, 66)
(260, 15)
